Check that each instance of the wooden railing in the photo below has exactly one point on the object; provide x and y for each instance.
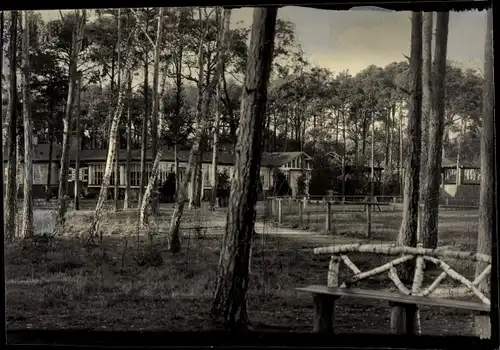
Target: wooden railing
(340, 253)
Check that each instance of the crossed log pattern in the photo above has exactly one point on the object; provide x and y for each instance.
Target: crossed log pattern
(339, 254)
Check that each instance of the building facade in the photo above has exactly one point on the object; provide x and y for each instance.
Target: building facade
(93, 162)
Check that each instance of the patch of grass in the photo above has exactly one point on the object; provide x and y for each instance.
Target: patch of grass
(148, 288)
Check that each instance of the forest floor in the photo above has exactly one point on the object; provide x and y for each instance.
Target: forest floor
(128, 283)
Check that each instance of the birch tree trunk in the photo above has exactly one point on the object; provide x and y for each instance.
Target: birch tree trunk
(201, 122)
(154, 113)
(230, 301)
(117, 156)
(213, 196)
(487, 200)
(27, 228)
(78, 140)
(427, 28)
(194, 195)
(10, 195)
(76, 44)
(126, 203)
(435, 141)
(144, 140)
(94, 227)
(156, 163)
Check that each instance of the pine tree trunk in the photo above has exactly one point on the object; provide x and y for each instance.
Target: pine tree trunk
(487, 198)
(126, 203)
(230, 300)
(27, 228)
(408, 231)
(11, 195)
(427, 27)
(436, 129)
(94, 227)
(67, 121)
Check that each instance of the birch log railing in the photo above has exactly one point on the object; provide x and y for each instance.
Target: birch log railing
(403, 302)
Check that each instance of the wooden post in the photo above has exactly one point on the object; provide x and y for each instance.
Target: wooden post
(343, 202)
(394, 201)
(333, 271)
(403, 318)
(280, 211)
(328, 221)
(368, 220)
(323, 313)
(290, 202)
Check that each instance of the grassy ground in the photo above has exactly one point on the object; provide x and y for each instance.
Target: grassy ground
(128, 284)
(457, 228)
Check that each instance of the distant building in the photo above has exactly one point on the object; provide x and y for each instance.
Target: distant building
(460, 181)
(92, 164)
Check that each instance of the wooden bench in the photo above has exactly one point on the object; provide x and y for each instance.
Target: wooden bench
(404, 303)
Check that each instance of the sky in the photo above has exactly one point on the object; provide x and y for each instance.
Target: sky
(354, 39)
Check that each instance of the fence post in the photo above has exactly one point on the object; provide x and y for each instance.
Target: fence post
(447, 200)
(280, 211)
(394, 201)
(290, 202)
(343, 202)
(328, 219)
(368, 218)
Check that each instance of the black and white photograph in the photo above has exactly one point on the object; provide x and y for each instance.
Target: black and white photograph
(285, 169)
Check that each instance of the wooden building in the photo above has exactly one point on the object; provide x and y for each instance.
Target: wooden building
(92, 164)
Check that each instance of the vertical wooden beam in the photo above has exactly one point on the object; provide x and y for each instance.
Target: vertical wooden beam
(328, 222)
(280, 211)
(324, 306)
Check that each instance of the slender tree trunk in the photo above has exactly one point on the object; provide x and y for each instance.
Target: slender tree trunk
(408, 231)
(344, 152)
(201, 122)
(154, 113)
(194, 198)
(63, 174)
(94, 227)
(230, 299)
(144, 141)
(10, 195)
(119, 69)
(28, 228)
(176, 168)
(48, 190)
(436, 129)
(426, 98)
(400, 160)
(213, 195)
(372, 180)
(78, 140)
(126, 203)
(487, 200)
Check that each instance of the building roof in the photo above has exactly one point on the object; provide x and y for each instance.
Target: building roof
(41, 154)
(447, 163)
(277, 159)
